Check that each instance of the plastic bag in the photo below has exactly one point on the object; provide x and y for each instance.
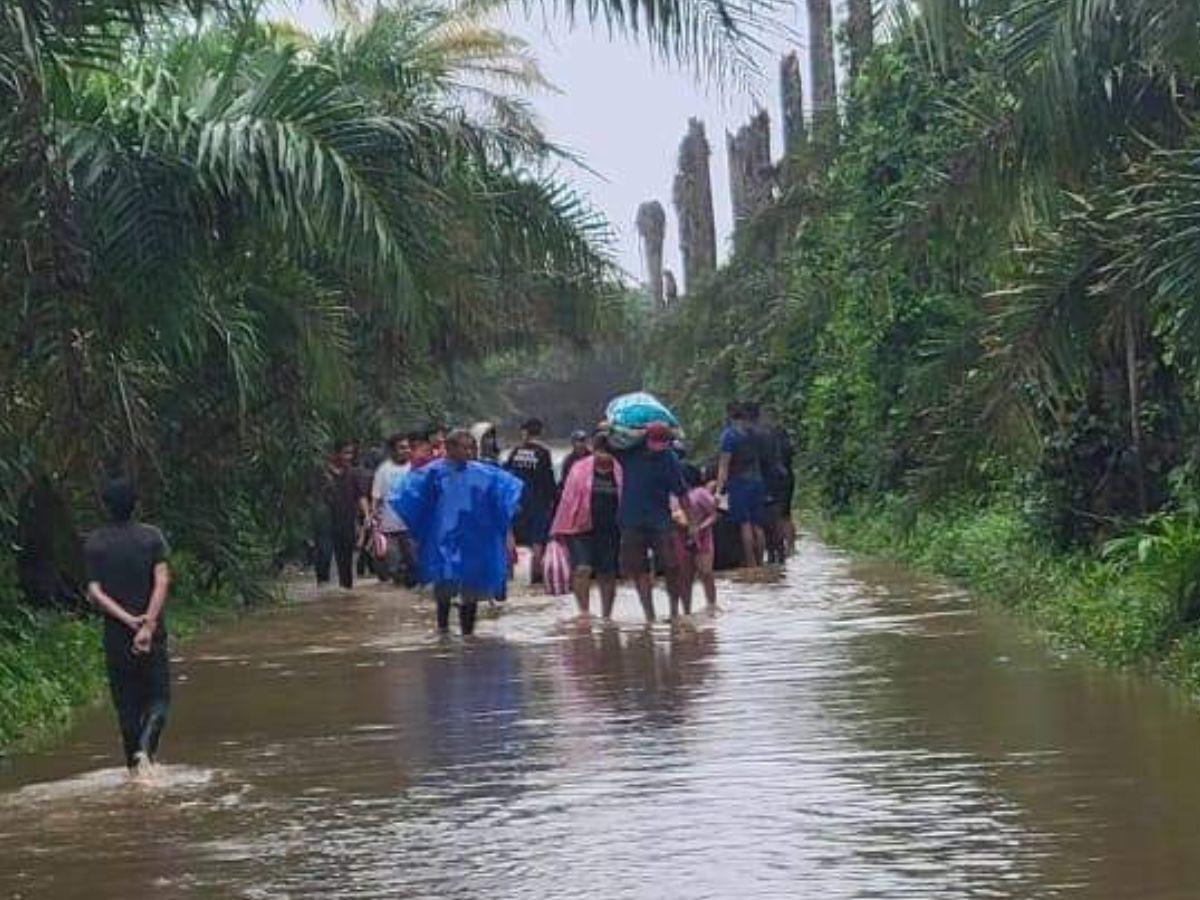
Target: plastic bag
(556, 569)
(622, 438)
(638, 410)
(379, 544)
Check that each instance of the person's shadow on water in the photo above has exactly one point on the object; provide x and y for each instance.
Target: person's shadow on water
(651, 675)
(474, 700)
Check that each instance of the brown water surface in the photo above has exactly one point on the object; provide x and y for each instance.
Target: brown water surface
(846, 731)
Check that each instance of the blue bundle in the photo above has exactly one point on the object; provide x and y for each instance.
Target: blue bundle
(638, 410)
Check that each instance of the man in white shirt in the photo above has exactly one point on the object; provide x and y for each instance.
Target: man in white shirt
(398, 565)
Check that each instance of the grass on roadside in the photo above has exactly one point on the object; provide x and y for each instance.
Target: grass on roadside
(52, 662)
(1123, 608)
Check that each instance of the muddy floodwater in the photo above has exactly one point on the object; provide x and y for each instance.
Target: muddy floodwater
(848, 730)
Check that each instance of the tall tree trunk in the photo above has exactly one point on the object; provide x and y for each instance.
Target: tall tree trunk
(1135, 409)
(652, 229)
(823, 75)
(860, 31)
(694, 207)
(791, 92)
(751, 174)
(670, 288)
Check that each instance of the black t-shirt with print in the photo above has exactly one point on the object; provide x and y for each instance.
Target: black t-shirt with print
(532, 463)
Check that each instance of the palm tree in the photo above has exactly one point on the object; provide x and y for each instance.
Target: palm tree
(860, 33)
(1079, 128)
(246, 226)
(822, 74)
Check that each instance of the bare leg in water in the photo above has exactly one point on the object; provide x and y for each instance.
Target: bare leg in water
(749, 545)
(537, 558)
(671, 578)
(686, 580)
(704, 572)
(581, 584)
(644, 582)
(608, 594)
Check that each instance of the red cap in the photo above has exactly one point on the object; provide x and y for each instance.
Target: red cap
(658, 435)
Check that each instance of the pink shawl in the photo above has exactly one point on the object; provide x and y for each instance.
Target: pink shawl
(574, 515)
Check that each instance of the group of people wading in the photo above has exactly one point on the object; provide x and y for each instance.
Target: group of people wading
(443, 510)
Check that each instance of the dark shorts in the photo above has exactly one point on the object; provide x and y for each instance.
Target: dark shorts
(747, 501)
(638, 543)
(599, 551)
(780, 496)
(532, 527)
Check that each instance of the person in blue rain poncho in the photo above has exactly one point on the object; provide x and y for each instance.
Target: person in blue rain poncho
(460, 512)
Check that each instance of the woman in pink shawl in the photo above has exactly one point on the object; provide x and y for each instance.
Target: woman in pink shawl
(587, 521)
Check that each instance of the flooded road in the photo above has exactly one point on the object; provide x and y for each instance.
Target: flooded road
(850, 731)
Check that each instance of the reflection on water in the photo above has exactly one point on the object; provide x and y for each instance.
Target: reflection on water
(844, 731)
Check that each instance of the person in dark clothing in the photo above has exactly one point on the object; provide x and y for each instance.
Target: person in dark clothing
(739, 477)
(340, 505)
(364, 466)
(652, 473)
(777, 459)
(128, 580)
(531, 462)
(580, 449)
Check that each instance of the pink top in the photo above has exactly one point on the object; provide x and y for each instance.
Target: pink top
(574, 515)
(704, 507)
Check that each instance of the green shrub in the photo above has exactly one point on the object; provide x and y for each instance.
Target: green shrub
(1129, 608)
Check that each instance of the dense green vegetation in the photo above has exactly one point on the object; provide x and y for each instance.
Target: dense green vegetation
(224, 242)
(978, 311)
(51, 662)
(242, 241)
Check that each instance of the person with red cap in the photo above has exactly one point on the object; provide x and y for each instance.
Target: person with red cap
(652, 475)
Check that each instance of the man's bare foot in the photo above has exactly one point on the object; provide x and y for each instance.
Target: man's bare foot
(143, 769)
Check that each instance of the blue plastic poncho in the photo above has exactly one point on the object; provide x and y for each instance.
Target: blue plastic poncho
(460, 517)
(638, 410)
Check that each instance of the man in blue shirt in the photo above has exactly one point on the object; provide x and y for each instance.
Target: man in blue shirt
(652, 473)
(739, 473)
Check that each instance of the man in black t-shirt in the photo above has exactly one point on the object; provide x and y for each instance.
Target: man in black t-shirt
(340, 506)
(128, 581)
(531, 462)
(775, 455)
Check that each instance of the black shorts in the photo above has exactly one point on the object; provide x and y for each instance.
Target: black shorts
(599, 551)
(532, 526)
(636, 545)
(781, 495)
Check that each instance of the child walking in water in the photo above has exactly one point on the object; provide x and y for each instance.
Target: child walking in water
(696, 556)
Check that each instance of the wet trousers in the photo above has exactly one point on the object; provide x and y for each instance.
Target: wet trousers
(468, 609)
(331, 542)
(400, 564)
(140, 685)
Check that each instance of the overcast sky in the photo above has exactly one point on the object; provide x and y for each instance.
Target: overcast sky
(625, 115)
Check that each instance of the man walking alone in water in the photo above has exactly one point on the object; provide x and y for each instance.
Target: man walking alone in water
(128, 581)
